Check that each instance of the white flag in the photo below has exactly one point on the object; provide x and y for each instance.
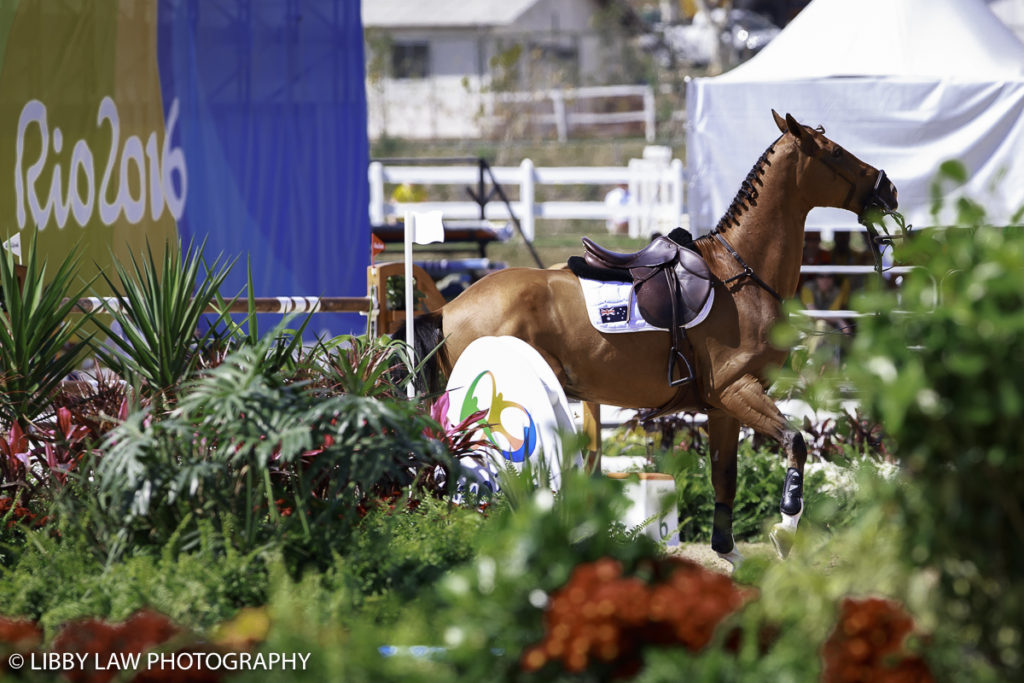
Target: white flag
(427, 227)
(13, 245)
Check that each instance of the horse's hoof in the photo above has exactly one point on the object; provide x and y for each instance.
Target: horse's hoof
(782, 537)
(733, 557)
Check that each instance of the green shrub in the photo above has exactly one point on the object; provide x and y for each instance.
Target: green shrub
(942, 368)
(286, 463)
(362, 366)
(57, 579)
(402, 552)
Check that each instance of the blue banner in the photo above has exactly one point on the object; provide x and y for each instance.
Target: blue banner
(270, 116)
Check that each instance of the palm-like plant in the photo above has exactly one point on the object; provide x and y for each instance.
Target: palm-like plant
(39, 335)
(239, 443)
(283, 355)
(159, 312)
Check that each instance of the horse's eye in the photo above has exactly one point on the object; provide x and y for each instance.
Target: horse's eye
(837, 152)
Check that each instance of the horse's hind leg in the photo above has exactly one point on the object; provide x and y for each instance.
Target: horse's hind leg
(745, 399)
(724, 431)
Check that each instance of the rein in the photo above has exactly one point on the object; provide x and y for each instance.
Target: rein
(748, 272)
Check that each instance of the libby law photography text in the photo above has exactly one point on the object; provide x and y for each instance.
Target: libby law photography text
(176, 661)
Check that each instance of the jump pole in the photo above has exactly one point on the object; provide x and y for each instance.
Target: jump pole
(274, 304)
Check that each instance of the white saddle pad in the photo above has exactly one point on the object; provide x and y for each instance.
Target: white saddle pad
(612, 307)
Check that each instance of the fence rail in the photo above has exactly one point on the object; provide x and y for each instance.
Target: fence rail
(656, 189)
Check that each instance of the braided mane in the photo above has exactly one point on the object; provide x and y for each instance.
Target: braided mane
(747, 195)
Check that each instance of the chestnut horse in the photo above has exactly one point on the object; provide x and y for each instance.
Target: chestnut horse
(754, 255)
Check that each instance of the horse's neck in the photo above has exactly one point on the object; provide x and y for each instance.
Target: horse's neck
(769, 235)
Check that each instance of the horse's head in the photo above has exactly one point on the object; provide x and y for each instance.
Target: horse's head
(831, 176)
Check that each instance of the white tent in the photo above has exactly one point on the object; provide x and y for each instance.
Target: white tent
(903, 84)
(1011, 12)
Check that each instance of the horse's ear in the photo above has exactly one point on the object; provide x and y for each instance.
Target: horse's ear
(794, 127)
(779, 121)
(807, 141)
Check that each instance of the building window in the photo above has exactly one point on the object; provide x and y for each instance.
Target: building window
(410, 60)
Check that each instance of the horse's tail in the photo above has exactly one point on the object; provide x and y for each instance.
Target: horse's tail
(428, 336)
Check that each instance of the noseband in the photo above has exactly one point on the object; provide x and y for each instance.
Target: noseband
(875, 201)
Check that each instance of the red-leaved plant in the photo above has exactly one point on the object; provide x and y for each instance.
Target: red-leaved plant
(35, 461)
(457, 438)
(461, 440)
(15, 458)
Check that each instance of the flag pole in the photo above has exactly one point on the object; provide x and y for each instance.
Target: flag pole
(421, 228)
(410, 305)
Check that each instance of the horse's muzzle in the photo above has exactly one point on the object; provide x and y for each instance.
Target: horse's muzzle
(883, 194)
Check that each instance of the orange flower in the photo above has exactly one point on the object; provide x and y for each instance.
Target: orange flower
(867, 644)
(21, 633)
(142, 631)
(602, 615)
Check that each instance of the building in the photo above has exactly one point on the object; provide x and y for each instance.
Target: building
(433, 66)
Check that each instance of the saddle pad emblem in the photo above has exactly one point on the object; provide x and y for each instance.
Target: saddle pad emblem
(614, 314)
(612, 307)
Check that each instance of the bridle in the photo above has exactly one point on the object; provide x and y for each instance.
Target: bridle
(873, 205)
(874, 202)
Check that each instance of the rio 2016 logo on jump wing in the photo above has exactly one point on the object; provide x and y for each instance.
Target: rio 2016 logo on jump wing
(160, 191)
(503, 418)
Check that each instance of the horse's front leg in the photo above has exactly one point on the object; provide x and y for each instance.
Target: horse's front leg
(746, 400)
(792, 505)
(724, 432)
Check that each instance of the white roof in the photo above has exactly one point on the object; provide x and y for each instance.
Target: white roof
(435, 13)
(959, 39)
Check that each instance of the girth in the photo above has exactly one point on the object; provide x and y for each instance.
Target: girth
(671, 284)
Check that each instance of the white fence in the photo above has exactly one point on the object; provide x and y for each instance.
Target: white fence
(562, 102)
(655, 185)
(655, 188)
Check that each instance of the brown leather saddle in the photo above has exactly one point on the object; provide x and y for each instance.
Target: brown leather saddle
(672, 286)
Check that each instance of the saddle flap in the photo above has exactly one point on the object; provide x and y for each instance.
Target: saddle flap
(673, 295)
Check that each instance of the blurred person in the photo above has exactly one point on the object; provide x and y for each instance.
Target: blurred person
(408, 193)
(823, 293)
(618, 201)
(843, 254)
(814, 255)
